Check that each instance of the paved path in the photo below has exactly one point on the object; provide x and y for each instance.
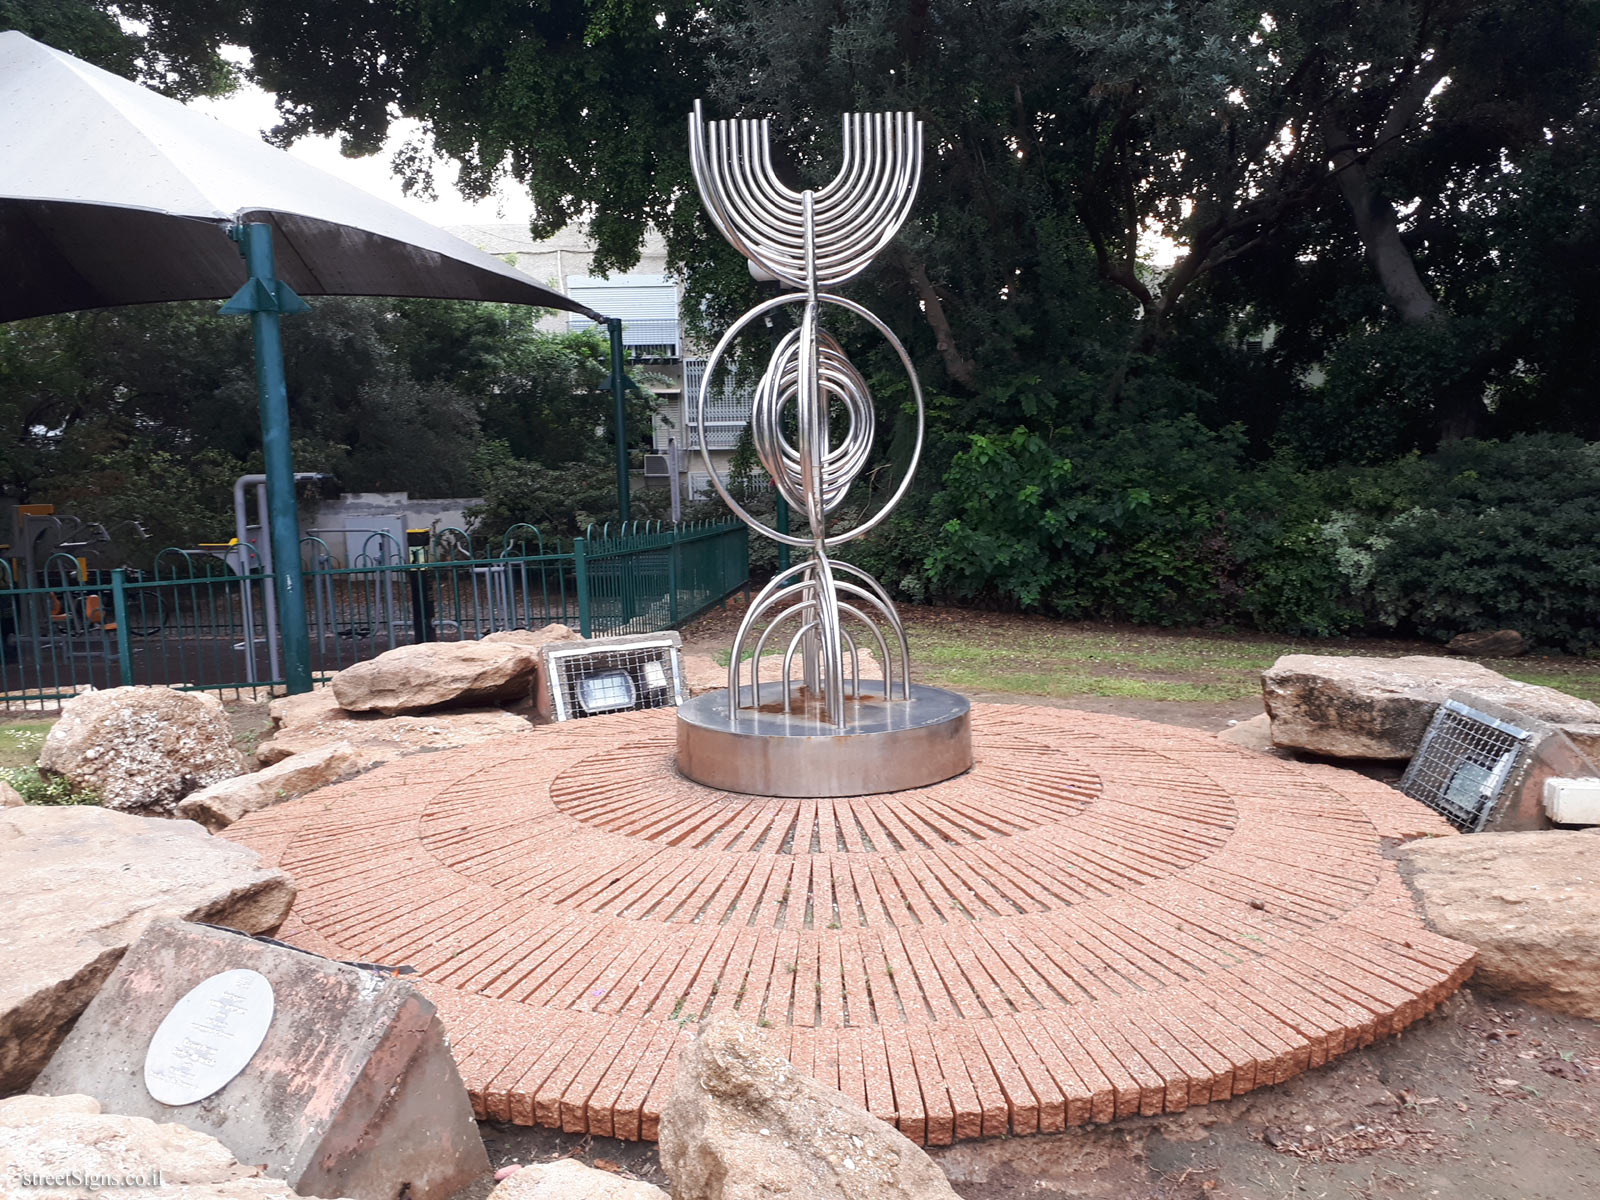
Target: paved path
(1104, 917)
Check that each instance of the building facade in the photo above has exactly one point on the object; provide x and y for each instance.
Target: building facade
(650, 303)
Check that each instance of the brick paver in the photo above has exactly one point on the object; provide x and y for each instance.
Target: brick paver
(1103, 917)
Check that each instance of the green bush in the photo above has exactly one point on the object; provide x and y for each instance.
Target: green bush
(1164, 524)
(35, 788)
(1480, 535)
(1171, 523)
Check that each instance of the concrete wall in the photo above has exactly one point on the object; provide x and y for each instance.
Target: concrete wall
(340, 522)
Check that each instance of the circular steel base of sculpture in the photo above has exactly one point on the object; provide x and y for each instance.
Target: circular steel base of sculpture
(886, 746)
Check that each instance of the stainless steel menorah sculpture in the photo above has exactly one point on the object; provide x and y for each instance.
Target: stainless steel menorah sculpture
(764, 737)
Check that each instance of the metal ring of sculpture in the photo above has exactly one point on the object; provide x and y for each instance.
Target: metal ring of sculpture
(765, 428)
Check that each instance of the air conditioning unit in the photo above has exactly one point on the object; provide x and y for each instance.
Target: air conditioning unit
(600, 676)
(657, 466)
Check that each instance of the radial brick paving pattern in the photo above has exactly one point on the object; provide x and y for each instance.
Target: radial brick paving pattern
(1103, 917)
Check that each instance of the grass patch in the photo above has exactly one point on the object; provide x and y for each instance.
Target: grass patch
(19, 756)
(1581, 678)
(35, 788)
(1034, 656)
(20, 742)
(1029, 656)
(964, 679)
(1067, 661)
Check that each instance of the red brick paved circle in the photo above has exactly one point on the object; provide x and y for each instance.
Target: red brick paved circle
(1104, 917)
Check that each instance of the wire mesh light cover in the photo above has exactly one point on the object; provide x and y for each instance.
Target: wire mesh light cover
(1465, 764)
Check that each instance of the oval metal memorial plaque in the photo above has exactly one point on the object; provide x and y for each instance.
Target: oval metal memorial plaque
(208, 1037)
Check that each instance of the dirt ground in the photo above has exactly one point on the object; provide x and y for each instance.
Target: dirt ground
(1483, 1100)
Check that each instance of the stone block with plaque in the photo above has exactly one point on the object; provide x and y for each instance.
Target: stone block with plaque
(336, 1078)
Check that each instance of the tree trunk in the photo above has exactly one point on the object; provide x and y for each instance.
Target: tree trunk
(1355, 168)
(1459, 404)
(1379, 229)
(960, 369)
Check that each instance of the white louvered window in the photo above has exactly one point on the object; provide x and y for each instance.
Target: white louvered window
(647, 304)
(727, 409)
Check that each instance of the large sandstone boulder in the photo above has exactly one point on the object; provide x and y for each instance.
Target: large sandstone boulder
(566, 1179)
(78, 885)
(9, 796)
(1488, 643)
(141, 749)
(221, 804)
(55, 1136)
(1380, 707)
(743, 1124)
(314, 721)
(1530, 903)
(534, 638)
(411, 679)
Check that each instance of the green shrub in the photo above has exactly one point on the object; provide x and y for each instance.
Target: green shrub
(1171, 523)
(1489, 535)
(35, 788)
(1165, 524)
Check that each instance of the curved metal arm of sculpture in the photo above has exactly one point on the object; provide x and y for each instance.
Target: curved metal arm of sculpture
(855, 657)
(774, 599)
(788, 662)
(786, 678)
(766, 599)
(855, 215)
(838, 379)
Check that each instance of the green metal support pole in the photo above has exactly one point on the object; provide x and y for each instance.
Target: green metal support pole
(266, 298)
(619, 391)
(119, 614)
(783, 527)
(580, 582)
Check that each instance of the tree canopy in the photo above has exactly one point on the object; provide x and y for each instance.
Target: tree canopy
(1286, 239)
(147, 414)
(1349, 174)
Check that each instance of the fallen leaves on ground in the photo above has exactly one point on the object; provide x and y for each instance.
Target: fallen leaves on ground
(1358, 1142)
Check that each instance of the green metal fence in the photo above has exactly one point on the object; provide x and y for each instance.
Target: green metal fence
(641, 580)
(208, 621)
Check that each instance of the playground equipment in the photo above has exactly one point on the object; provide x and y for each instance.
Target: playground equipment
(39, 533)
(61, 566)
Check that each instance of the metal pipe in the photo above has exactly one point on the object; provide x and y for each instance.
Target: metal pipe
(619, 414)
(241, 538)
(264, 553)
